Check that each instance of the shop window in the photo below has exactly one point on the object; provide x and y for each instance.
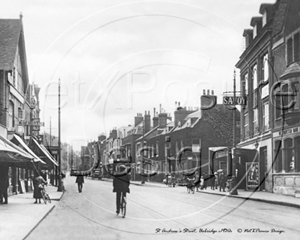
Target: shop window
(278, 157)
(288, 155)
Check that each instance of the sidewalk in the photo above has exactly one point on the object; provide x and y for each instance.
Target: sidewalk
(20, 216)
(261, 196)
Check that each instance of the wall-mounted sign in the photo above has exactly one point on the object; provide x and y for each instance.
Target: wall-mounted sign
(239, 100)
(265, 91)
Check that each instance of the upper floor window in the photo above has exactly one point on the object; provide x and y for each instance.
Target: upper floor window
(296, 47)
(265, 68)
(255, 120)
(254, 77)
(246, 125)
(265, 116)
(245, 83)
(293, 48)
(11, 115)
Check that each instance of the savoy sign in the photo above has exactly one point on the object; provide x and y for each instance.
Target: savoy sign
(239, 100)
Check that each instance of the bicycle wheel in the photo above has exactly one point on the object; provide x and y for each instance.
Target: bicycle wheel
(43, 196)
(48, 197)
(123, 206)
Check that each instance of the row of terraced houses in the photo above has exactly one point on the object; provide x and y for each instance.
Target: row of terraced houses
(268, 124)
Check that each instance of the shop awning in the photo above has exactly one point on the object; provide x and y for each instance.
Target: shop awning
(19, 141)
(10, 153)
(43, 152)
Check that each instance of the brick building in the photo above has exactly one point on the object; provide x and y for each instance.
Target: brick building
(270, 73)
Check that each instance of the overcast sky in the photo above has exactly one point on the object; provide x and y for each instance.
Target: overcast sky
(117, 58)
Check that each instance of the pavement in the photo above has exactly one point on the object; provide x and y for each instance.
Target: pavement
(21, 216)
(261, 196)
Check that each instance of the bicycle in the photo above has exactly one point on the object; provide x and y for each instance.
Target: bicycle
(123, 205)
(45, 195)
(190, 187)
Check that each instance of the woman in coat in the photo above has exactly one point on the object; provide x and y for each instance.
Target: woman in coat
(121, 185)
(37, 183)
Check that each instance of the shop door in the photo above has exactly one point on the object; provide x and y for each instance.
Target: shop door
(263, 160)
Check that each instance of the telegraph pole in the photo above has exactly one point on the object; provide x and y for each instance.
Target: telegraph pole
(59, 189)
(233, 190)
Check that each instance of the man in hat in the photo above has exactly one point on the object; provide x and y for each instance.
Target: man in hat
(121, 184)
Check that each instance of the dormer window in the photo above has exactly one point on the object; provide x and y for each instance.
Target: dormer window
(256, 23)
(254, 31)
(264, 19)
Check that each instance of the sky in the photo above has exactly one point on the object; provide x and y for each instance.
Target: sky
(117, 58)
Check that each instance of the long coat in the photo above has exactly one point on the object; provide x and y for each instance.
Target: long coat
(36, 182)
(121, 183)
(79, 179)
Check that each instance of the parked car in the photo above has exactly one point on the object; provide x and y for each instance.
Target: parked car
(97, 173)
(74, 172)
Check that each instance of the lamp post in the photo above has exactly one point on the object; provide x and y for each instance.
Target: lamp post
(233, 190)
(59, 189)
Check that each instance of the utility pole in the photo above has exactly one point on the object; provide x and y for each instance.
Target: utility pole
(59, 189)
(233, 190)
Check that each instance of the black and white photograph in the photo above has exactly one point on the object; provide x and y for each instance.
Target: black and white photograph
(149, 119)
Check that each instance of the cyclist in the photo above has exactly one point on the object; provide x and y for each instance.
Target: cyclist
(121, 185)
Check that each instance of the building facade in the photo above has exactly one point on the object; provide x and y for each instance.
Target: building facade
(269, 73)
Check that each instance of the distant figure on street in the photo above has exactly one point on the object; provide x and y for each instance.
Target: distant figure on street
(197, 181)
(38, 182)
(3, 183)
(213, 180)
(222, 182)
(216, 180)
(80, 181)
(121, 185)
(44, 175)
(201, 183)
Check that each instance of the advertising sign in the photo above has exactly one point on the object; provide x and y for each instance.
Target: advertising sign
(238, 100)
(252, 175)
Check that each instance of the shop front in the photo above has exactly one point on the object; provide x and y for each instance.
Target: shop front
(246, 170)
(286, 167)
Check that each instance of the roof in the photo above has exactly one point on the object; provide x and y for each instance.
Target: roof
(292, 71)
(10, 30)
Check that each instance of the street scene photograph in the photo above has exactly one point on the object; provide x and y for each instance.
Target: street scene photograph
(149, 119)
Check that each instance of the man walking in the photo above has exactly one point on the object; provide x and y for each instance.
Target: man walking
(80, 181)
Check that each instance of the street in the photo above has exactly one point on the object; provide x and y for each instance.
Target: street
(160, 212)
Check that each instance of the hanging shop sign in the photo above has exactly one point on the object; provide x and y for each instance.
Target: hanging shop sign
(252, 178)
(238, 100)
